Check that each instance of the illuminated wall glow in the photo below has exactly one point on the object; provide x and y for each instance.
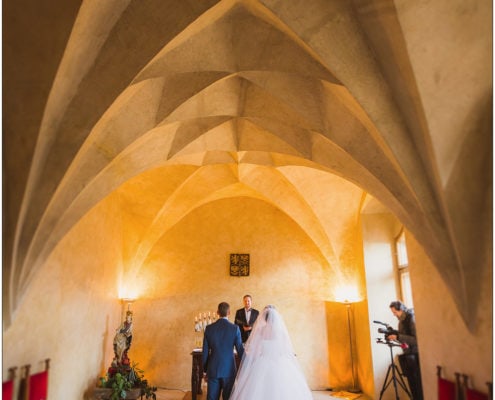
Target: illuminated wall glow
(126, 291)
(347, 293)
(129, 287)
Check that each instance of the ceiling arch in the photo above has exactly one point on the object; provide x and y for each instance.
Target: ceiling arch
(234, 95)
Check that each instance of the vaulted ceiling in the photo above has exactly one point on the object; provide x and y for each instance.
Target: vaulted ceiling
(306, 105)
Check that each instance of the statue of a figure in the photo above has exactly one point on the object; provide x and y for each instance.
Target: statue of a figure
(122, 340)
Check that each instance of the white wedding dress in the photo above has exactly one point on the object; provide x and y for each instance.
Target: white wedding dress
(269, 369)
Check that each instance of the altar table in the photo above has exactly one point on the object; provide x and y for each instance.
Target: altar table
(197, 372)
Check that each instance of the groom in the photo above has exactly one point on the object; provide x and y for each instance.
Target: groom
(219, 341)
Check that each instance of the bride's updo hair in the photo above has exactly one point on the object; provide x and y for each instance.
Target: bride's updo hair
(269, 330)
(267, 310)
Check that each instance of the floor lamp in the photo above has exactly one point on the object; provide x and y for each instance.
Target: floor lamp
(348, 306)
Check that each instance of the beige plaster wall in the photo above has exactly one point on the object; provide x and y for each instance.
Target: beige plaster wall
(71, 309)
(379, 231)
(187, 273)
(443, 337)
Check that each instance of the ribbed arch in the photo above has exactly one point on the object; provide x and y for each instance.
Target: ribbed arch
(239, 85)
(244, 180)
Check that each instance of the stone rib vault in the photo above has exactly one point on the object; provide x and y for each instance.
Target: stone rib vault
(308, 106)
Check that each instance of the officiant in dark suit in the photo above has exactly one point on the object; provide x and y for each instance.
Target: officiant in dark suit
(219, 365)
(245, 317)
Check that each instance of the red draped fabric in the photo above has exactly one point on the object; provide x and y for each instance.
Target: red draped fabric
(7, 390)
(472, 394)
(38, 386)
(446, 389)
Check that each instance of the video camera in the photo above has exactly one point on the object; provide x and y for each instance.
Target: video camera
(387, 331)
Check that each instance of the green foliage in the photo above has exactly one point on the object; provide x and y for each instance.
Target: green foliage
(137, 376)
(120, 385)
(123, 380)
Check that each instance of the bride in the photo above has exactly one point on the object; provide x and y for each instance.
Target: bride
(269, 369)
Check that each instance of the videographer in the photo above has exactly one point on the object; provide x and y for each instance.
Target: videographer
(409, 360)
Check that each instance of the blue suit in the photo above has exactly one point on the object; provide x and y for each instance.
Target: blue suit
(219, 341)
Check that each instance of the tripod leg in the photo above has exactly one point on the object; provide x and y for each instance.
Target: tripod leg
(397, 377)
(400, 380)
(385, 383)
(402, 383)
(394, 376)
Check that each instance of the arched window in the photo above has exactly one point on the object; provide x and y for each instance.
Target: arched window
(403, 269)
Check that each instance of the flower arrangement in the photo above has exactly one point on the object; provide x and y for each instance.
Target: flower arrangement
(124, 380)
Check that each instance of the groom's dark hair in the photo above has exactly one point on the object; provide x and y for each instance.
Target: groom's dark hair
(223, 309)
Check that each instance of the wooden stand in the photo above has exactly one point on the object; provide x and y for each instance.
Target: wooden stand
(196, 374)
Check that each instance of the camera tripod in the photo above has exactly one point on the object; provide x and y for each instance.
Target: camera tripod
(393, 373)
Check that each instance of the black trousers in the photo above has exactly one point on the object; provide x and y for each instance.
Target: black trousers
(409, 364)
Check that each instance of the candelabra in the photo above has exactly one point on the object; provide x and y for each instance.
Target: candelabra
(201, 321)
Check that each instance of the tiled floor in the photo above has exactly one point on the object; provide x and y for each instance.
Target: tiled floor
(325, 395)
(166, 394)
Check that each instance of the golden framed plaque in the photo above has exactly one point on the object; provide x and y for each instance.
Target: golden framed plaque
(239, 264)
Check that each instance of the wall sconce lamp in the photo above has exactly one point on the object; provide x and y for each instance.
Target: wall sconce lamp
(126, 301)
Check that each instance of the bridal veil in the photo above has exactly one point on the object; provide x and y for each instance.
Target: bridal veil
(269, 369)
